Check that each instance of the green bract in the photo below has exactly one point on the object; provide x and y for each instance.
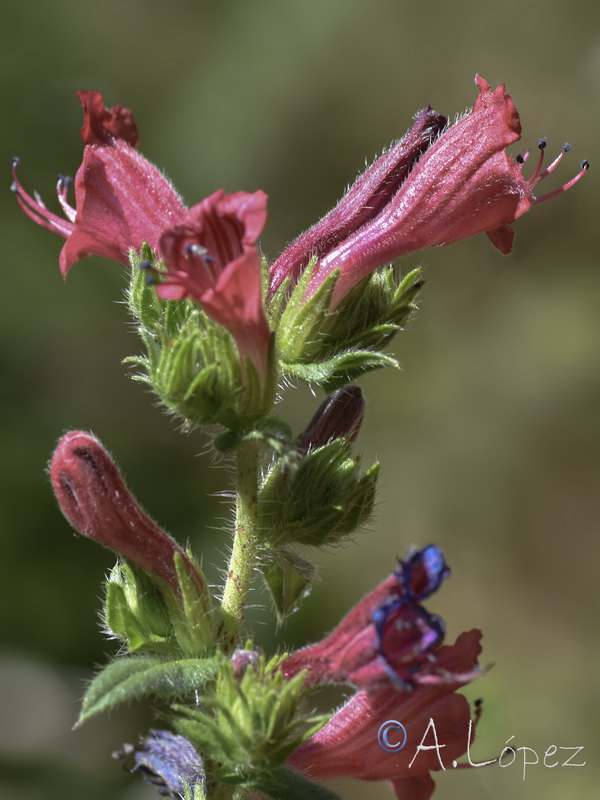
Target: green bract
(331, 348)
(320, 500)
(249, 725)
(144, 613)
(191, 362)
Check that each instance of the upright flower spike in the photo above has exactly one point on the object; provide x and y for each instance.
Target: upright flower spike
(347, 746)
(94, 498)
(211, 256)
(464, 183)
(121, 199)
(388, 639)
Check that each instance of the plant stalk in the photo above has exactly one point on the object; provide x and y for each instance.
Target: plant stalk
(243, 553)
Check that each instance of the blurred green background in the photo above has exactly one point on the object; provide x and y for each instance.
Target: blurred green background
(489, 437)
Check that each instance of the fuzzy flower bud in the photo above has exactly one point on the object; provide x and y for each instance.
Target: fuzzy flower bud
(340, 414)
(94, 498)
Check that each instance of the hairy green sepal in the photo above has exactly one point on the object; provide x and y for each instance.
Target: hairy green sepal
(249, 726)
(320, 500)
(191, 362)
(332, 348)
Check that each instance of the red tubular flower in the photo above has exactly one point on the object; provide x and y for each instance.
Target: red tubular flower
(390, 647)
(464, 183)
(121, 199)
(369, 194)
(94, 498)
(211, 257)
(347, 746)
(388, 639)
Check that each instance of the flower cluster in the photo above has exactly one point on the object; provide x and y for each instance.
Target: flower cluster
(435, 186)
(221, 330)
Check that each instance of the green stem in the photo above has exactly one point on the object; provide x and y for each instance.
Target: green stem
(243, 553)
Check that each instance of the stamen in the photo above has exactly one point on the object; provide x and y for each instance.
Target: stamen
(207, 262)
(542, 145)
(38, 199)
(585, 165)
(554, 164)
(35, 208)
(62, 187)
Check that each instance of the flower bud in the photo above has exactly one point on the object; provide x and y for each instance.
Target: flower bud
(242, 659)
(340, 414)
(94, 498)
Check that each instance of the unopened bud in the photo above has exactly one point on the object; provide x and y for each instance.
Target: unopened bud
(94, 498)
(340, 414)
(242, 659)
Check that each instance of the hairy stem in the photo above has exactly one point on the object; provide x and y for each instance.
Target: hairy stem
(243, 554)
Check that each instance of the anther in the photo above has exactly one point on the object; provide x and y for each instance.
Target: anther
(566, 147)
(520, 159)
(534, 178)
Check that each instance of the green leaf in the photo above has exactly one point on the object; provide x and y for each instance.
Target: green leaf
(128, 679)
(340, 369)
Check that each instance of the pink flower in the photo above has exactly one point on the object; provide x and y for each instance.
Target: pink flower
(121, 199)
(94, 498)
(464, 183)
(211, 256)
(347, 746)
(388, 638)
(391, 649)
(369, 194)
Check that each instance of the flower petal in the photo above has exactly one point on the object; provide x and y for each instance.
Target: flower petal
(122, 201)
(103, 125)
